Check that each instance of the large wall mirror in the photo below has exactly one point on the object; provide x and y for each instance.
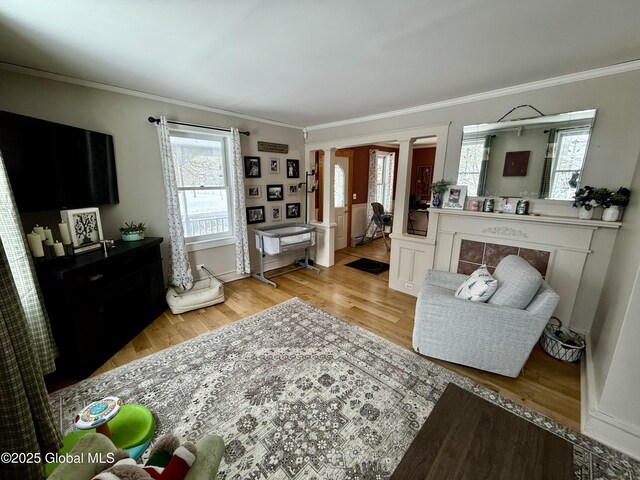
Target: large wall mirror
(540, 157)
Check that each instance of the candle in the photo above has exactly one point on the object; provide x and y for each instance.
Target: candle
(58, 249)
(64, 233)
(35, 244)
(40, 231)
(48, 237)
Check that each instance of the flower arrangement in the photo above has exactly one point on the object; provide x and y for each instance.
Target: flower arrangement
(585, 197)
(440, 186)
(619, 198)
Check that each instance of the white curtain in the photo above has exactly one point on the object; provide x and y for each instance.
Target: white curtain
(388, 182)
(179, 269)
(371, 194)
(243, 264)
(24, 276)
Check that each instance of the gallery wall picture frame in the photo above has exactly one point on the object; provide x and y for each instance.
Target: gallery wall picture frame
(254, 191)
(274, 165)
(275, 193)
(293, 168)
(455, 196)
(276, 213)
(294, 189)
(255, 215)
(252, 167)
(293, 210)
(84, 226)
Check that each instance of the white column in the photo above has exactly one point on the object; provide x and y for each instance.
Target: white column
(401, 209)
(325, 249)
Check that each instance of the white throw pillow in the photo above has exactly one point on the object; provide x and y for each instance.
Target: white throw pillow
(478, 287)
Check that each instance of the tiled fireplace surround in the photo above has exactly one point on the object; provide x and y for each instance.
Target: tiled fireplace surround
(473, 254)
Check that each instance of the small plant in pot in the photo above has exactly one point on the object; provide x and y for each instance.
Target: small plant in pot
(437, 189)
(614, 203)
(133, 231)
(585, 201)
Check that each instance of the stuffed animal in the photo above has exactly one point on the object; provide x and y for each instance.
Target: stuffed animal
(168, 461)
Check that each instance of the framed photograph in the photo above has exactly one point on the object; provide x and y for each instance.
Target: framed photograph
(275, 192)
(254, 191)
(84, 226)
(294, 189)
(276, 214)
(293, 210)
(293, 168)
(274, 165)
(454, 197)
(255, 215)
(252, 167)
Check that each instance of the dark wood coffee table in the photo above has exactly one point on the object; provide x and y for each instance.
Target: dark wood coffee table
(467, 437)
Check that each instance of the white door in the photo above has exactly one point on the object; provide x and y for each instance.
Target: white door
(340, 192)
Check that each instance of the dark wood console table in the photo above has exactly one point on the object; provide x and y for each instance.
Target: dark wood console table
(97, 302)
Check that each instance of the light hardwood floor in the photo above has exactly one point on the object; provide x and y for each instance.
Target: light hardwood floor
(546, 385)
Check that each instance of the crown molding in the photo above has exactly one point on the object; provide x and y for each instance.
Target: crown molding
(525, 87)
(134, 93)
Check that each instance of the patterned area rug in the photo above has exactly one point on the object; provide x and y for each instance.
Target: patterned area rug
(300, 394)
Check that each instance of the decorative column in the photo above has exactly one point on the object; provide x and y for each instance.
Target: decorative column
(401, 206)
(325, 246)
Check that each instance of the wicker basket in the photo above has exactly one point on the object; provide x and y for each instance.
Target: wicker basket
(561, 342)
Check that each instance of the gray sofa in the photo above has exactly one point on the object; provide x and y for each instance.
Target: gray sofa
(496, 336)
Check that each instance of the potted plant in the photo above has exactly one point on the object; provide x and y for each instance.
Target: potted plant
(437, 189)
(585, 201)
(133, 231)
(614, 204)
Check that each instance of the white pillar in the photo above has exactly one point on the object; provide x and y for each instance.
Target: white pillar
(325, 249)
(401, 208)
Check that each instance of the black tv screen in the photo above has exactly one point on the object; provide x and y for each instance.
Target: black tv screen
(54, 167)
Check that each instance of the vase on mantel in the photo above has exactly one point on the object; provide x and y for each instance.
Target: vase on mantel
(584, 214)
(436, 201)
(611, 214)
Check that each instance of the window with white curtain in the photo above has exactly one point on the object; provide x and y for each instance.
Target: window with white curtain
(471, 164)
(203, 176)
(382, 186)
(570, 152)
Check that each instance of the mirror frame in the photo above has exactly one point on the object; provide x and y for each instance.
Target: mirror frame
(485, 129)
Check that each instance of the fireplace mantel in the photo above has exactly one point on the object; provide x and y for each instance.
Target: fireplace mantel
(569, 221)
(578, 251)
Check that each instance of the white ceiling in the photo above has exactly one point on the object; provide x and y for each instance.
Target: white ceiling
(304, 62)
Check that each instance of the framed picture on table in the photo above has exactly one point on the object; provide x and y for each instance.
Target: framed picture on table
(455, 196)
(84, 226)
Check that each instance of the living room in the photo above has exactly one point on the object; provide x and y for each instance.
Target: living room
(40, 79)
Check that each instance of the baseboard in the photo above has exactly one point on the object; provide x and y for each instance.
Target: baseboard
(270, 263)
(598, 425)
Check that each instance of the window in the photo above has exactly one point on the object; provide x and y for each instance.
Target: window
(471, 164)
(338, 192)
(383, 177)
(567, 164)
(202, 174)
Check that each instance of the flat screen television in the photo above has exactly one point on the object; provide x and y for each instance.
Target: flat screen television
(55, 167)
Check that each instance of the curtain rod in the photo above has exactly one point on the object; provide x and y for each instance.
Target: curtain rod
(157, 120)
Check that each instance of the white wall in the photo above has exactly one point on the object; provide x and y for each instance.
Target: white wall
(136, 147)
(613, 149)
(616, 332)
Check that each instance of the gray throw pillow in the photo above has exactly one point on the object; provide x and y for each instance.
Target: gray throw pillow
(518, 283)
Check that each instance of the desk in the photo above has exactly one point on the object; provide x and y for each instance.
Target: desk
(415, 223)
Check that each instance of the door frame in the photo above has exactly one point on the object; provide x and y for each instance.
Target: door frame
(348, 153)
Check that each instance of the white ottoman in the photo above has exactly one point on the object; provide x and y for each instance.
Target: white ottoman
(205, 292)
